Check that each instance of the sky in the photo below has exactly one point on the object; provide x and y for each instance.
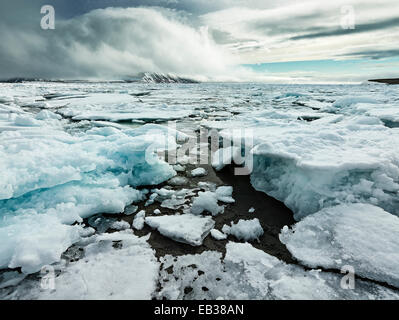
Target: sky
(286, 41)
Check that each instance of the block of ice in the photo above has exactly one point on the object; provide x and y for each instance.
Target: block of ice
(94, 276)
(217, 235)
(350, 100)
(311, 166)
(185, 228)
(199, 172)
(206, 201)
(139, 220)
(247, 230)
(359, 235)
(225, 194)
(32, 241)
(46, 115)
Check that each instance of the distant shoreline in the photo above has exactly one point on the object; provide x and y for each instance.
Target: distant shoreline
(388, 81)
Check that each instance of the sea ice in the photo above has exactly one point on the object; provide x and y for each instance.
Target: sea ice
(225, 156)
(246, 230)
(359, 235)
(94, 276)
(32, 242)
(206, 201)
(139, 220)
(247, 273)
(311, 166)
(185, 228)
(225, 194)
(217, 235)
(51, 179)
(199, 172)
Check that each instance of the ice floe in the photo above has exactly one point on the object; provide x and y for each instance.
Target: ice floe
(186, 228)
(94, 277)
(249, 273)
(360, 235)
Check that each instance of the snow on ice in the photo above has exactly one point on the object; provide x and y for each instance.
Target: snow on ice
(186, 228)
(247, 230)
(249, 273)
(359, 235)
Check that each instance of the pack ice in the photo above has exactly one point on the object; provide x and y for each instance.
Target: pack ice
(335, 159)
(52, 179)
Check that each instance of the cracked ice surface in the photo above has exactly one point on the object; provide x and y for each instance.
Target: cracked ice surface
(249, 273)
(94, 276)
(51, 179)
(359, 235)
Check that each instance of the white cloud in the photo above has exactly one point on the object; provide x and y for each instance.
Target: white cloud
(269, 35)
(113, 42)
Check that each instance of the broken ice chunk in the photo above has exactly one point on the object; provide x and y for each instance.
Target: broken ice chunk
(246, 230)
(186, 228)
(179, 168)
(138, 222)
(178, 181)
(130, 210)
(120, 225)
(206, 201)
(217, 235)
(224, 194)
(199, 172)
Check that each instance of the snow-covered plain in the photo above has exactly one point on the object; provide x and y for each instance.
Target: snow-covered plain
(70, 151)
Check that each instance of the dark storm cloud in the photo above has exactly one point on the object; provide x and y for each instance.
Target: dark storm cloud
(360, 28)
(107, 43)
(373, 54)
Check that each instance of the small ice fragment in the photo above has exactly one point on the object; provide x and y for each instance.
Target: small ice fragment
(224, 194)
(251, 210)
(139, 219)
(207, 186)
(199, 172)
(186, 228)
(130, 210)
(217, 235)
(178, 181)
(206, 201)
(179, 168)
(120, 225)
(157, 211)
(226, 229)
(246, 230)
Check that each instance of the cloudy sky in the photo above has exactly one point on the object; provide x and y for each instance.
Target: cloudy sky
(225, 40)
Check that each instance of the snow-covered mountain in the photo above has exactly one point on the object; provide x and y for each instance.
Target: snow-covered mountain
(154, 77)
